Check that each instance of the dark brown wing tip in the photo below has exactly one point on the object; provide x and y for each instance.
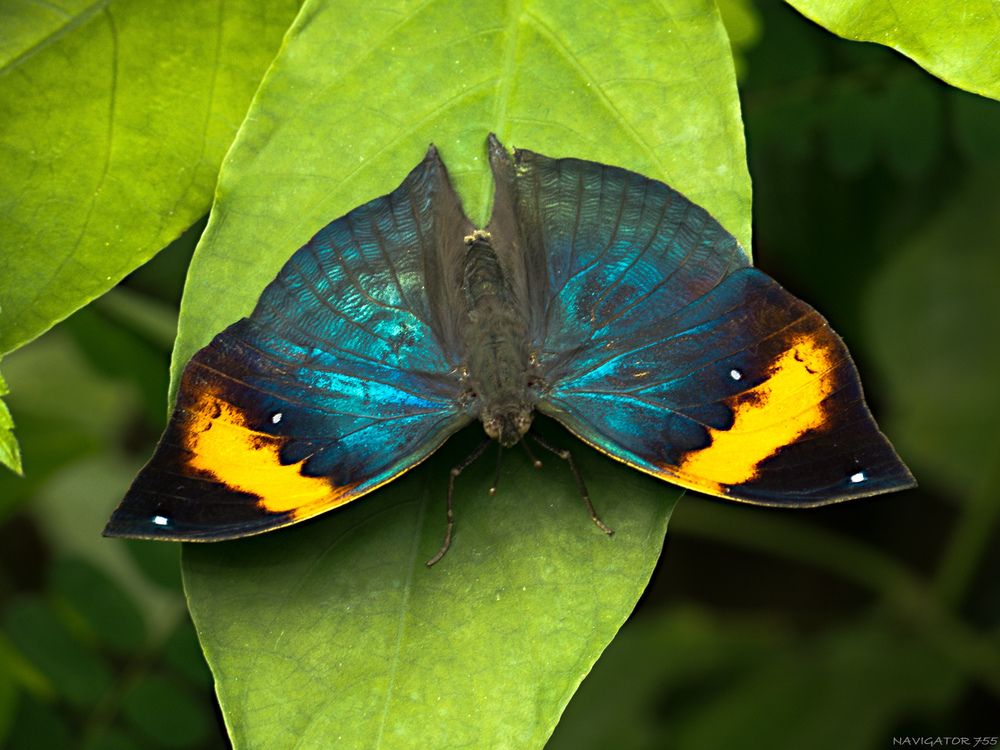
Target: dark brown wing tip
(499, 152)
(432, 168)
(118, 531)
(500, 161)
(432, 154)
(908, 482)
(115, 528)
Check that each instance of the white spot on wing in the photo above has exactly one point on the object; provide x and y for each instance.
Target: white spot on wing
(859, 477)
(276, 417)
(736, 374)
(161, 520)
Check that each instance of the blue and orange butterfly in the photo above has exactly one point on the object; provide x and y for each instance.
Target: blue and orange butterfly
(594, 295)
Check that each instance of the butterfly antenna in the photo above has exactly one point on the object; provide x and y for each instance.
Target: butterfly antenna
(535, 462)
(456, 470)
(566, 456)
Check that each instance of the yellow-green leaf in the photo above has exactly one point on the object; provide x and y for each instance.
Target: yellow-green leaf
(957, 42)
(114, 118)
(10, 452)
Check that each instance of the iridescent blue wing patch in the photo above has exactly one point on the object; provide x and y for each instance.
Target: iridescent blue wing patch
(595, 295)
(659, 344)
(344, 376)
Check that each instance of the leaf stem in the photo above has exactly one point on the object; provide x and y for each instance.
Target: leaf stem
(971, 534)
(153, 320)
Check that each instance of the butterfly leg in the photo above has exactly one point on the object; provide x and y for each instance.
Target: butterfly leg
(535, 462)
(451, 487)
(496, 477)
(566, 456)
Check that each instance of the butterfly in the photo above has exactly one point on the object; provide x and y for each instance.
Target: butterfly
(594, 295)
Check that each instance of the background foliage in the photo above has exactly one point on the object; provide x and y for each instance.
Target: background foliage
(874, 200)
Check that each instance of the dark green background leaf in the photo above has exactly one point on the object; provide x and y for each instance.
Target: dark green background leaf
(933, 314)
(64, 409)
(94, 597)
(165, 714)
(77, 674)
(686, 680)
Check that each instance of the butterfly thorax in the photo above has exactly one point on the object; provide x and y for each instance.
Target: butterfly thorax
(499, 362)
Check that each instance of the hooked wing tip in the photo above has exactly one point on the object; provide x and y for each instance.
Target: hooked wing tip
(500, 161)
(494, 143)
(432, 164)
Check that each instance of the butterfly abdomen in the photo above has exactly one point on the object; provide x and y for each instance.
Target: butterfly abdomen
(496, 334)
(486, 286)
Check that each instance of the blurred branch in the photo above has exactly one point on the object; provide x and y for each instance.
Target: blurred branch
(152, 320)
(779, 536)
(970, 536)
(911, 600)
(810, 88)
(27, 674)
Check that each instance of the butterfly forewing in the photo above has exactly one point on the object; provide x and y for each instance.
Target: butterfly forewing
(662, 347)
(344, 376)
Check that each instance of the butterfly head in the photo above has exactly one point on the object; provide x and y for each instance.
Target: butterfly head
(508, 422)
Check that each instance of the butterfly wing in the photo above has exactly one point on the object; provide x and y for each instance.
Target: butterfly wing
(342, 378)
(660, 345)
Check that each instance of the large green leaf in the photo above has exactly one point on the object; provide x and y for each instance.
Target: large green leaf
(114, 119)
(335, 631)
(957, 42)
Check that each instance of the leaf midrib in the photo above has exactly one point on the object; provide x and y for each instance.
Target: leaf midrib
(72, 24)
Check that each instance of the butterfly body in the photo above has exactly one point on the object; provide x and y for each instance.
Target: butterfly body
(594, 295)
(498, 359)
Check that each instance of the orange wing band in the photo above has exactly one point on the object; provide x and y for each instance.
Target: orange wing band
(772, 415)
(224, 446)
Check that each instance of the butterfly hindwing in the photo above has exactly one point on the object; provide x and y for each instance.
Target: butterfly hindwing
(341, 379)
(662, 347)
